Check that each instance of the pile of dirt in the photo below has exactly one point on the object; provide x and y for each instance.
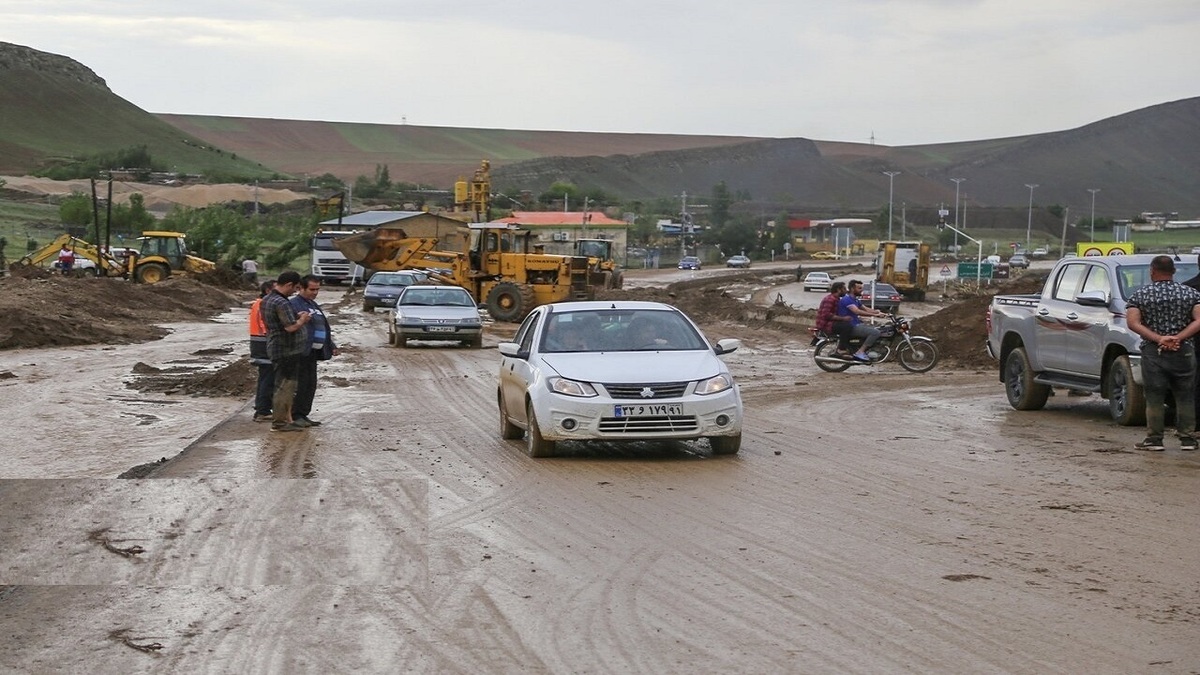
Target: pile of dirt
(235, 380)
(58, 311)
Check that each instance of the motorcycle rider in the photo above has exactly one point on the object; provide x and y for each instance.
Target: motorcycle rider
(828, 321)
(851, 307)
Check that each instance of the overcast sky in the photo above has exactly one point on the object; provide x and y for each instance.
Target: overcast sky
(906, 72)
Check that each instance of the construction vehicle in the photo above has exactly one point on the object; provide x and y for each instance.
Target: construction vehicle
(905, 265)
(499, 266)
(158, 256)
(604, 270)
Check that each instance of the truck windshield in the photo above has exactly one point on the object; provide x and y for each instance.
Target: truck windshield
(1133, 277)
(325, 242)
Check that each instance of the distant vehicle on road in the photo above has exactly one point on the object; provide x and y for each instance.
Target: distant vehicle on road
(1018, 260)
(881, 296)
(1040, 252)
(690, 262)
(817, 281)
(825, 255)
(737, 261)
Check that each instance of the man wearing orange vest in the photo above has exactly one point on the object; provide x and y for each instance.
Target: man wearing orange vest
(258, 356)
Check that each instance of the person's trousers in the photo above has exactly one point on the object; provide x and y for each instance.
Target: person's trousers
(265, 389)
(306, 386)
(1164, 371)
(867, 332)
(287, 370)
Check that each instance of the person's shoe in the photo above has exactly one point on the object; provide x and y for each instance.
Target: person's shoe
(862, 358)
(305, 422)
(1187, 444)
(1150, 443)
(287, 427)
(263, 418)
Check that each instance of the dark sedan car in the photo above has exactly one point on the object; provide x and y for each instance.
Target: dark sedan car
(885, 296)
(383, 288)
(690, 262)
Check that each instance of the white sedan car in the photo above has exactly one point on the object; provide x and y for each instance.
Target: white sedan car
(616, 371)
(435, 313)
(817, 281)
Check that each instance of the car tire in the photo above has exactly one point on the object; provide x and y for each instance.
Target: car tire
(368, 307)
(401, 341)
(1126, 398)
(508, 430)
(725, 445)
(391, 337)
(1023, 393)
(477, 342)
(535, 445)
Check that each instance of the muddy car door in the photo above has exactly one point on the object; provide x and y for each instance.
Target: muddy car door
(1056, 316)
(515, 372)
(1085, 340)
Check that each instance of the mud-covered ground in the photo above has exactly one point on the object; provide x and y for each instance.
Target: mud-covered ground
(874, 521)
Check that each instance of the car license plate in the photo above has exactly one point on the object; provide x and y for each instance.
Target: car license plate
(440, 329)
(648, 410)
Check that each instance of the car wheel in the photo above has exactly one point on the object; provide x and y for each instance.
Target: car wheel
(508, 430)
(725, 445)
(391, 336)
(1126, 398)
(401, 341)
(477, 343)
(535, 445)
(367, 307)
(1023, 393)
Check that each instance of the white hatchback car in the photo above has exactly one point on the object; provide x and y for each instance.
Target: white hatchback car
(616, 371)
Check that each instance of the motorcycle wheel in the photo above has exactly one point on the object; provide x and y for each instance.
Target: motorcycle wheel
(826, 349)
(918, 356)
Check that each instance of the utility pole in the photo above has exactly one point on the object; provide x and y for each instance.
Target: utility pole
(957, 183)
(1093, 191)
(891, 178)
(1029, 225)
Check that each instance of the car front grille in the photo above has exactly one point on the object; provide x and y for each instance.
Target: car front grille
(642, 425)
(637, 391)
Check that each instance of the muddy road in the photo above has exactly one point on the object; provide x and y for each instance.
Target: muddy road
(874, 521)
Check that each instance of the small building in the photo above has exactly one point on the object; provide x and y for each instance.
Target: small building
(450, 232)
(558, 230)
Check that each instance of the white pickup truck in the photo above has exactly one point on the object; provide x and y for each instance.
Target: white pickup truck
(1073, 335)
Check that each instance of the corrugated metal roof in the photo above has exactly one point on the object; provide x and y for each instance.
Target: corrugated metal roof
(372, 218)
(561, 219)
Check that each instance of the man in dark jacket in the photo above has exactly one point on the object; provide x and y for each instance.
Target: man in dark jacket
(287, 343)
(320, 347)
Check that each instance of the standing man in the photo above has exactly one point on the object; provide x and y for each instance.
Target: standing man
(852, 308)
(287, 343)
(66, 260)
(250, 271)
(259, 357)
(1166, 314)
(320, 347)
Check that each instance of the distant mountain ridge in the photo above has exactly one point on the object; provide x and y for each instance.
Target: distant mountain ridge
(1144, 160)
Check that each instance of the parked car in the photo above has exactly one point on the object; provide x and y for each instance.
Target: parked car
(428, 312)
(881, 296)
(826, 255)
(817, 281)
(616, 371)
(1018, 260)
(737, 261)
(1040, 252)
(690, 262)
(383, 288)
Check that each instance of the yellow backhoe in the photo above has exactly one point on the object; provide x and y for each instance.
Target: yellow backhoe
(160, 254)
(498, 266)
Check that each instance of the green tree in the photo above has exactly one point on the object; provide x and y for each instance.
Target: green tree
(560, 190)
(133, 217)
(722, 200)
(75, 210)
(215, 232)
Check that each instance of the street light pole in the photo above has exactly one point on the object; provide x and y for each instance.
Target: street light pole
(957, 182)
(891, 177)
(1029, 226)
(1093, 191)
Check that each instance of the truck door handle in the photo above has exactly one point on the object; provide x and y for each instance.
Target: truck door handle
(1043, 312)
(1072, 316)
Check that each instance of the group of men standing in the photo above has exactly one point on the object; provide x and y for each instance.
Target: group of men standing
(289, 334)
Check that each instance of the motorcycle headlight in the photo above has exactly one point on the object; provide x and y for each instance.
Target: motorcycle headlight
(714, 385)
(561, 385)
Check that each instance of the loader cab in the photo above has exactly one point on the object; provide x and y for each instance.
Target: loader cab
(488, 241)
(166, 245)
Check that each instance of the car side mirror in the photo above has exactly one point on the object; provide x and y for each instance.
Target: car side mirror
(1092, 299)
(727, 346)
(513, 350)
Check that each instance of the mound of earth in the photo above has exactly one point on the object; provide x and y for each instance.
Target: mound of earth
(235, 380)
(58, 311)
(960, 329)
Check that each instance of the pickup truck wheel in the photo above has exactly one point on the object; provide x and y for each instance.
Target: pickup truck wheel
(1126, 399)
(1023, 393)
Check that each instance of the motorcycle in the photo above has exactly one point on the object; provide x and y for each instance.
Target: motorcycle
(916, 353)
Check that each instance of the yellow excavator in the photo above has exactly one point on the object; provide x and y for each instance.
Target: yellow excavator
(499, 266)
(160, 254)
(605, 271)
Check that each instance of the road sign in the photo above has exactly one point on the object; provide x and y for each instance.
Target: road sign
(970, 269)
(945, 270)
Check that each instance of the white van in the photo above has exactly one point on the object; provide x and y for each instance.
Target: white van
(993, 259)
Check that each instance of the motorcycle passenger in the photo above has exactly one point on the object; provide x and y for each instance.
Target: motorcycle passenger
(852, 308)
(828, 321)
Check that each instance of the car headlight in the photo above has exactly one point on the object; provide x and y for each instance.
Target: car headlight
(714, 385)
(561, 385)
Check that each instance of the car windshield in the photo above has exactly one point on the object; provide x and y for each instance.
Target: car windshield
(391, 280)
(443, 297)
(1133, 277)
(625, 330)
